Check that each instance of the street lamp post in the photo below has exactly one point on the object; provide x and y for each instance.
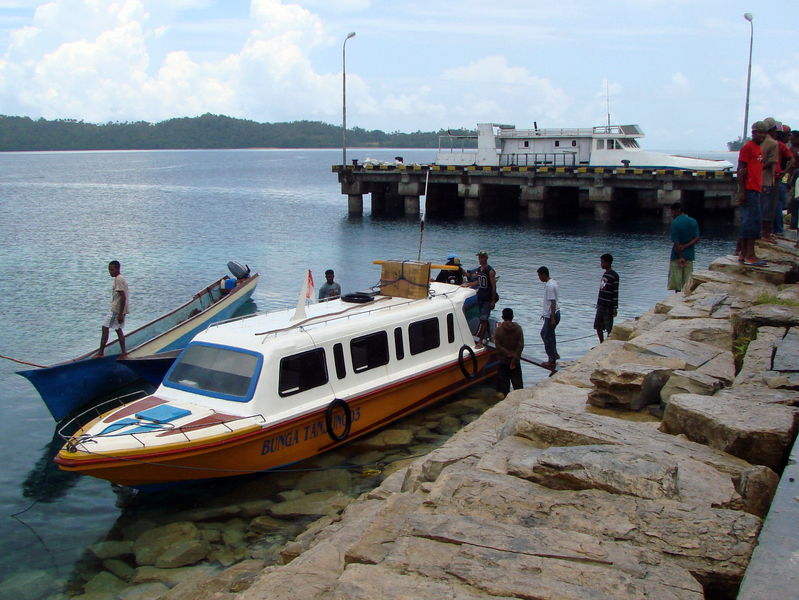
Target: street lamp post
(344, 99)
(748, 17)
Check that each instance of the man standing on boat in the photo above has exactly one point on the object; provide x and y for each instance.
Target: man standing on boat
(330, 289)
(509, 342)
(485, 280)
(551, 318)
(452, 276)
(115, 319)
(684, 235)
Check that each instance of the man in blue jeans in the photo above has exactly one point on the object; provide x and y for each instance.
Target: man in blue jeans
(551, 318)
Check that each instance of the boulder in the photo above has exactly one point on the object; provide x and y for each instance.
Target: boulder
(173, 577)
(104, 582)
(154, 542)
(695, 354)
(388, 438)
(758, 433)
(629, 386)
(721, 368)
(759, 356)
(580, 373)
(772, 273)
(183, 553)
(111, 549)
(689, 382)
(328, 479)
(715, 332)
(145, 591)
(316, 504)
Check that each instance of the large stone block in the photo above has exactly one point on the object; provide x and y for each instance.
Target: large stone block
(630, 386)
(695, 354)
(689, 382)
(771, 273)
(759, 433)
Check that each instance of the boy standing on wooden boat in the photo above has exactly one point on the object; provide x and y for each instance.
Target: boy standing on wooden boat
(115, 319)
(485, 280)
(509, 342)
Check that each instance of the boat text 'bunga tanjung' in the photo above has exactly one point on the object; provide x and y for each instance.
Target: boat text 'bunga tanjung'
(271, 389)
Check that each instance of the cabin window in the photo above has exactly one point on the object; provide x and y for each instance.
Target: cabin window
(399, 347)
(450, 328)
(613, 145)
(424, 335)
(574, 143)
(369, 351)
(216, 371)
(600, 144)
(526, 143)
(338, 358)
(302, 372)
(557, 143)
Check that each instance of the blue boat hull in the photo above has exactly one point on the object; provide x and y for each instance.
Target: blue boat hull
(70, 386)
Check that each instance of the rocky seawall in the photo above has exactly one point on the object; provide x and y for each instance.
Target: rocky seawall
(643, 470)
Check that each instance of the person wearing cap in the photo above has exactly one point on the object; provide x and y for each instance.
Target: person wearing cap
(750, 183)
(453, 276)
(768, 201)
(485, 280)
(509, 342)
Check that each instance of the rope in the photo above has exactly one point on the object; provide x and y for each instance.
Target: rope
(23, 362)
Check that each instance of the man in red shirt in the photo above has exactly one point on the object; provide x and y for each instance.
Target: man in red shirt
(750, 184)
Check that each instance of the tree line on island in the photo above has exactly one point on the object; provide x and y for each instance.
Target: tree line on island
(206, 131)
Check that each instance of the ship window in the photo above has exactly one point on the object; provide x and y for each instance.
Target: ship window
(600, 144)
(574, 143)
(398, 344)
(302, 372)
(338, 358)
(369, 351)
(557, 143)
(450, 328)
(613, 145)
(424, 335)
(526, 143)
(216, 371)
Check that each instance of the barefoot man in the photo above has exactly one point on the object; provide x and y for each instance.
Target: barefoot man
(115, 319)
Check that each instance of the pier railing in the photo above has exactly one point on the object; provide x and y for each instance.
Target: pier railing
(536, 159)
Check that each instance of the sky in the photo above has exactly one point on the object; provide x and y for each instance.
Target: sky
(677, 68)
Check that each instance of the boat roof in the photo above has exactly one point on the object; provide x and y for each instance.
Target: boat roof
(510, 131)
(334, 318)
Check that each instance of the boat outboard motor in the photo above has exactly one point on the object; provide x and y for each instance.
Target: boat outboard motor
(238, 271)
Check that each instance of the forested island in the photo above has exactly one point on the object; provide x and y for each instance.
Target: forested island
(206, 131)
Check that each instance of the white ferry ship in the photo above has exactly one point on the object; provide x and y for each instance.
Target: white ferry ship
(613, 146)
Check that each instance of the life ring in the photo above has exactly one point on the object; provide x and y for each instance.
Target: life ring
(462, 362)
(358, 297)
(336, 403)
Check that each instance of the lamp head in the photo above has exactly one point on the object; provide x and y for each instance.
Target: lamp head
(352, 33)
(748, 17)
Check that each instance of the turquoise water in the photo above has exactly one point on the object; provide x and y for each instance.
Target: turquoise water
(174, 219)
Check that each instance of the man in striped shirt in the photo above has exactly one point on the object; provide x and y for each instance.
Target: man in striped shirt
(607, 303)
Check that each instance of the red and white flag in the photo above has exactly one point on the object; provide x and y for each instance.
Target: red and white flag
(309, 285)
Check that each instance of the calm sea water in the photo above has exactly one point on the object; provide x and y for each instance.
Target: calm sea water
(174, 219)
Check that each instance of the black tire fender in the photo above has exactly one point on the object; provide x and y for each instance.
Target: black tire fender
(331, 408)
(462, 361)
(358, 297)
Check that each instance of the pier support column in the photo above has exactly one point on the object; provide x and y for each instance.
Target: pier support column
(411, 206)
(470, 192)
(601, 197)
(378, 203)
(355, 205)
(665, 198)
(534, 196)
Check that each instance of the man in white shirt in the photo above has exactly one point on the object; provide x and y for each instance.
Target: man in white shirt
(551, 318)
(115, 319)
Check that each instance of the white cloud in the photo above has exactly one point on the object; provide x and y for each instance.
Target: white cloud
(677, 86)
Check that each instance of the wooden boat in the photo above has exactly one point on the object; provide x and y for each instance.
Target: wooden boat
(69, 386)
(271, 389)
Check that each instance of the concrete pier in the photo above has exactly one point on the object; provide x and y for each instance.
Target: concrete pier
(602, 194)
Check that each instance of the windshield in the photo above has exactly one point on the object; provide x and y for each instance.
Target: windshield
(217, 371)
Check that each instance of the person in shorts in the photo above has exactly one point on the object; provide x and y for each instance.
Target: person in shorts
(607, 302)
(115, 319)
(684, 236)
(485, 280)
(750, 184)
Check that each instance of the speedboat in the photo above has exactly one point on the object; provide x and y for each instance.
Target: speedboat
(71, 385)
(270, 389)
